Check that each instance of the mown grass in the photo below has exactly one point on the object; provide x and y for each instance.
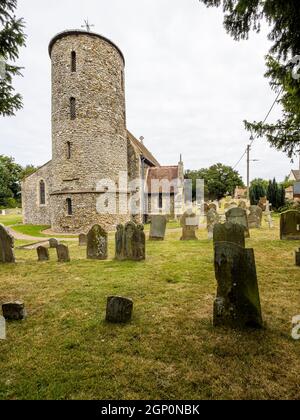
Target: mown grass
(65, 350)
(11, 219)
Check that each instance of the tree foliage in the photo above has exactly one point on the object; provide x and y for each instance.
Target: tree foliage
(220, 180)
(243, 16)
(258, 189)
(10, 174)
(276, 194)
(12, 37)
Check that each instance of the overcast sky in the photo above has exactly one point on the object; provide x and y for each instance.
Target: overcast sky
(189, 85)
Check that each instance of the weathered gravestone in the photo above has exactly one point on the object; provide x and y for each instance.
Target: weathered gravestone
(212, 219)
(298, 258)
(53, 243)
(238, 216)
(14, 311)
(97, 243)
(243, 205)
(255, 217)
(290, 225)
(63, 254)
(130, 242)
(7, 244)
(237, 304)
(119, 309)
(189, 223)
(213, 206)
(43, 253)
(82, 239)
(158, 228)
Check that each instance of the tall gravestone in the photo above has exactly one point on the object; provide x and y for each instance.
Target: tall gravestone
(97, 243)
(212, 219)
(158, 228)
(290, 225)
(43, 253)
(130, 242)
(237, 304)
(82, 239)
(255, 217)
(238, 216)
(7, 245)
(189, 223)
(63, 254)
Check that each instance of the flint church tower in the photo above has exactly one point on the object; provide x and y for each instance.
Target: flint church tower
(90, 141)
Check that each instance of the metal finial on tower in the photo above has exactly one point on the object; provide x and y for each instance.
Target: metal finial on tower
(87, 25)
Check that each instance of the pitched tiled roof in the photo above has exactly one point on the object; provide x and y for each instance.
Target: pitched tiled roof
(168, 173)
(144, 152)
(296, 175)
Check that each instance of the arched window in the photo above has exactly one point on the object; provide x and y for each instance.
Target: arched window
(72, 108)
(73, 62)
(42, 193)
(68, 150)
(160, 201)
(69, 207)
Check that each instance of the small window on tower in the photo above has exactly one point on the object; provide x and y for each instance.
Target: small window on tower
(42, 193)
(160, 201)
(69, 207)
(68, 150)
(73, 62)
(122, 79)
(72, 108)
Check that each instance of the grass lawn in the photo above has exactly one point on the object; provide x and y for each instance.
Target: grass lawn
(11, 219)
(64, 350)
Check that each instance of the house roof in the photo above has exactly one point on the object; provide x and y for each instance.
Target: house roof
(142, 149)
(169, 173)
(296, 174)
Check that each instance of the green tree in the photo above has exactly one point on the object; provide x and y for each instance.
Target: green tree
(12, 38)
(28, 170)
(220, 180)
(243, 16)
(276, 194)
(258, 189)
(10, 174)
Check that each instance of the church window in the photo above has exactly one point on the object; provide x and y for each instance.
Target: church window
(42, 193)
(69, 207)
(160, 201)
(73, 62)
(72, 108)
(68, 150)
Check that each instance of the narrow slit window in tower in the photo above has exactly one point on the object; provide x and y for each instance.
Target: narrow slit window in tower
(69, 207)
(68, 150)
(73, 108)
(73, 62)
(42, 193)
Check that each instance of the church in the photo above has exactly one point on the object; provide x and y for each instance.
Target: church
(91, 143)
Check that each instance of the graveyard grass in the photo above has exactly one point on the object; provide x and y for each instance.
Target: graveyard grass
(65, 350)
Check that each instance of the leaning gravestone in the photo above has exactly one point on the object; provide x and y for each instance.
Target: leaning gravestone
(290, 225)
(43, 253)
(158, 228)
(14, 311)
(53, 243)
(82, 239)
(238, 216)
(298, 258)
(212, 219)
(130, 242)
(189, 223)
(255, 217)
(7, 244)
(119, 309)
(238, 303)
(97, 243)
(63, 253)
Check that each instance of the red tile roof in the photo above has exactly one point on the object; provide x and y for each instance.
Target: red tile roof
(169, 173)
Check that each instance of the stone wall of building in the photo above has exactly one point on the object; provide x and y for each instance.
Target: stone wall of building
(34, 212)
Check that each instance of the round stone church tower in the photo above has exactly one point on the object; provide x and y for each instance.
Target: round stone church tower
(89, 136)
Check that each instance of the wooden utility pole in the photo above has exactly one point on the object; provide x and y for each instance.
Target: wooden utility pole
(248, 171)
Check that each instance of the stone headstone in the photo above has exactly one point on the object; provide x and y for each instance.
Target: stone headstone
(298, 258)
(82, 239)
(213, 206)
(262, 203)
(290, 225)
(212, 219)
(205, 208)
(130, 242)
(238, 216)
(243, 205)
(14, 311)
(268, 215)
(43, 253)
(53, 243)
(63, 253)
(158, 228)
(189, 223)
(255, 217)
(228, 232)
(237, 304)
(97, 243)
(7, 244)
(119, 309)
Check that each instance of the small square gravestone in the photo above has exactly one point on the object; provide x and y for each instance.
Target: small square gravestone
(14, 311)
(238, 216)
(158, 228)
(290, 225)
(43, 253)
(189, 223)
(53, 243)
(82, 239)
(63, 254)
(119, 309)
